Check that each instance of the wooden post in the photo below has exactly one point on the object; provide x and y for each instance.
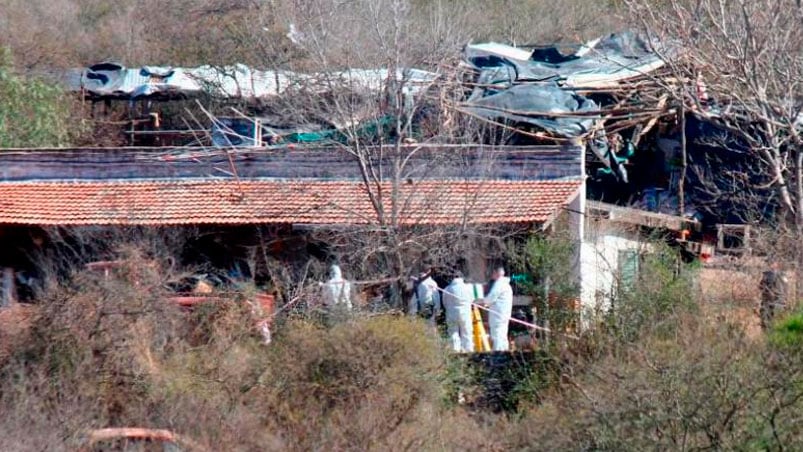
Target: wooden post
(683, 161)
(9, 296)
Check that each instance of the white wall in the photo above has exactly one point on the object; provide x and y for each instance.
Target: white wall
(599, 256)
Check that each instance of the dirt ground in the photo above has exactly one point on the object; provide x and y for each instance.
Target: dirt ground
(730, 292)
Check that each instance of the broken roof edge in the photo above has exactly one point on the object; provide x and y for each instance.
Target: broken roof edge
(604, 62)
(639, 217)
(237, 81)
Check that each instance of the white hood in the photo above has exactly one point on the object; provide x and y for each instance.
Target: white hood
(335, 274)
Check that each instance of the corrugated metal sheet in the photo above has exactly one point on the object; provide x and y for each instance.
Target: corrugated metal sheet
(237, 81)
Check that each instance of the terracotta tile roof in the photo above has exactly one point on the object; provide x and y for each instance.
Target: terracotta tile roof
(175, 202)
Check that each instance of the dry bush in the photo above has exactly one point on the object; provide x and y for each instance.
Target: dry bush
(44, 34)
(15, 326)
(689, 387)
(113, 351)
(95, 344)
(366, 385)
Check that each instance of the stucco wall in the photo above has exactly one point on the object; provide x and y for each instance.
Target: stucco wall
(599, 265)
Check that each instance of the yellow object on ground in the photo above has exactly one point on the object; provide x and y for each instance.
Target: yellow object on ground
(481, 342)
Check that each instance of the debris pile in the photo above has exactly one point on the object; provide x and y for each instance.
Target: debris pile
(611, 95)
(605, 87)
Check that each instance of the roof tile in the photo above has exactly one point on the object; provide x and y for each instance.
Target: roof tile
(178, 202)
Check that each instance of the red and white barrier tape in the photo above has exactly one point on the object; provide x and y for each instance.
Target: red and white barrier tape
(510, 318)
(480, 306)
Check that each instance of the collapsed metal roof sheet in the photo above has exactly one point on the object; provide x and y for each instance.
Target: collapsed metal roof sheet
(599, 63)
(237, 81)
(545, 106)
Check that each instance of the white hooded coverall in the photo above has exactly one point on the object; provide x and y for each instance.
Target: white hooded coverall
(336, 290)
(457, 298)
(426, 293)
(500, 304)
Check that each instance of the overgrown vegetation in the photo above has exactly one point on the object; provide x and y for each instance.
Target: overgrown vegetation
(256, 32)
(114, 351)
(665, 286)
(546, 262)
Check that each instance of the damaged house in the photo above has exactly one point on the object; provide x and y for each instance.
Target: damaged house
(557, 126)
(279, 198)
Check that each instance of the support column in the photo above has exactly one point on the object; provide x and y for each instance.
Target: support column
(9, 294)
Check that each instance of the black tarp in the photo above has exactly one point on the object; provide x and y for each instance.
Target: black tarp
(547, 107)
(618, 56)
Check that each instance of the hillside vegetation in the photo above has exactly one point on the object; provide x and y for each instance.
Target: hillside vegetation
(115, 352)
(68, 33)
(657, 372)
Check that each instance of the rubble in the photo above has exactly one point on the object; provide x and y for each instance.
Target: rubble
(610, 94)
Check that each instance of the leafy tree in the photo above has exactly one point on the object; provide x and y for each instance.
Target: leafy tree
(33, 113)
(545, 262)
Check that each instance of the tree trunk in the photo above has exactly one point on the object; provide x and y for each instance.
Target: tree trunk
(775, 160)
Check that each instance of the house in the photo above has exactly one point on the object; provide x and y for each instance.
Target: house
(291, 191)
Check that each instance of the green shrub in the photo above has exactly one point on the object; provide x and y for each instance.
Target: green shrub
(507, 383)
(787, 333)
(548, 263)
(33, 113)
(665, 286)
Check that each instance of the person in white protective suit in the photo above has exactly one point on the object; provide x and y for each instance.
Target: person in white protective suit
(499, 301)
(427, 299)
(457, 298)
(336, 292)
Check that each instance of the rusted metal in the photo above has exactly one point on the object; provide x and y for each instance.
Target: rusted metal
(139, 434)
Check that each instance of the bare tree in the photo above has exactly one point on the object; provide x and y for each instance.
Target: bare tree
(746, 57)
(389, 118)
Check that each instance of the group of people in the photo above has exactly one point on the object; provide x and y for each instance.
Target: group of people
(456, 299)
